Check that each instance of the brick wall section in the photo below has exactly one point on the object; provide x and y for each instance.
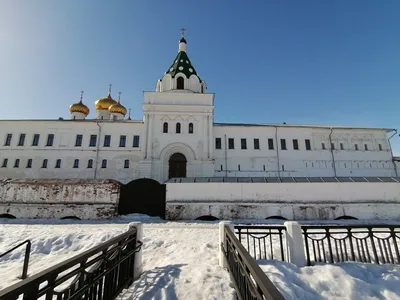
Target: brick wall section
(51, 198)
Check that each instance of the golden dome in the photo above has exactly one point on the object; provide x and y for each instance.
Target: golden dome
(79, 107)
(117, 108)
(105, 103)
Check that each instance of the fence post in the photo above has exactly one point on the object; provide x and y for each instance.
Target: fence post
(222, 241)
(138, 268)
(295, 244)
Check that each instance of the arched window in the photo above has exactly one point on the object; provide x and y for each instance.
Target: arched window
(190, 127)
(180, 83)
(165, 127)
(178, 127)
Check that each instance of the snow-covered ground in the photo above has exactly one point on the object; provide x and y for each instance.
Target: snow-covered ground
(181, 261)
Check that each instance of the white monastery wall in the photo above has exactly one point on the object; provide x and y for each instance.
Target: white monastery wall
(94, 199)
(293, 201)
(64, 148)
(316, 162)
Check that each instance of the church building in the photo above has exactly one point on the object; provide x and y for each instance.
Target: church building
(178, 137)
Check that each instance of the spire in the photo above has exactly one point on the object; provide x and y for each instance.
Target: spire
(119, 97)
(129, 115)
(182, 41)
(80, 101)
(109, 89)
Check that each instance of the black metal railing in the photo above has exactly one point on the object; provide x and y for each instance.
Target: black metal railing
(99, 273)
(26, 259)
(263, 242)
(249, 280)
(369, 244)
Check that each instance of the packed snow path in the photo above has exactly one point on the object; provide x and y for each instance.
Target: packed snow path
(181, 262)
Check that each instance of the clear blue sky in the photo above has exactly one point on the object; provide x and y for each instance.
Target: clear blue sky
(306, 62)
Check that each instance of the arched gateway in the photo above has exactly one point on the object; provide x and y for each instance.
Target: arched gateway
(177, 166)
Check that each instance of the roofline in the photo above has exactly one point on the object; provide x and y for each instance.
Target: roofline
(71, 120)
(305, 126)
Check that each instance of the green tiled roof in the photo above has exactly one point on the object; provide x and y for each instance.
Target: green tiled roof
(183, 65)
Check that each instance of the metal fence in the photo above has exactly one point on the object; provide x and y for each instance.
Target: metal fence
(26, 257)
(369, 244)
(263, 242)
(99, 273)
(249, 280)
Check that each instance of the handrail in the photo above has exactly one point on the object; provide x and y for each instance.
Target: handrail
(26, 259)
(108, 267)
(263, 284)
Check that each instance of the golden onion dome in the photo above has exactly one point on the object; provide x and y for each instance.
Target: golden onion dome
(105, 103)
(79, 107)
(117, 108)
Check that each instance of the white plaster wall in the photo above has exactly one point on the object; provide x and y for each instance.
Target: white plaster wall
(294, 201)
(284, 192)
(95, 199)
(313, 163)
(294, 211)
(64, 148)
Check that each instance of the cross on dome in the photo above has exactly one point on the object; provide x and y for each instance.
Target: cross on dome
(183, 31)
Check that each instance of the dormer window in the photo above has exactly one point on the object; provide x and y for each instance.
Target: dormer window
(180, 83)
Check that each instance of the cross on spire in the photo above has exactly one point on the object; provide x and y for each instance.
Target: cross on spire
(119, 96)
(81, 95)
(109, 89)
(183, 31)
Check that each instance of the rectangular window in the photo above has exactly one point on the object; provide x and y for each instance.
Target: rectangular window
(217, 143)
(35, 141)
(283, 167)
(355, 147)
(126, 163)
(50, 139)
(90, 164)
(239, 167)
(29, 163)
(122, 140)
(243, 143)
(58, 164)
(5, 162)
(76, 163)
(270, 144)
(366, 147)
(380, 147)
(16, 163)
(44, 164)
(222, 167)
(93, 140)
(107, 140)
(135, 141)
(21, 141)
(323, 146)
(231, 144)
(104, 163)
(8, 140)
(332, 146)
(308, 144)
(256, 144)
(295, 144)
(283, 144)
(78, 141)
(341, 146)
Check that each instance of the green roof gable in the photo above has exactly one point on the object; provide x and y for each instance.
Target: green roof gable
(183, 65)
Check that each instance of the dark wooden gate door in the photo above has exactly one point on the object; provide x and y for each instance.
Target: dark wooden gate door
(142, 196)
(177, 166)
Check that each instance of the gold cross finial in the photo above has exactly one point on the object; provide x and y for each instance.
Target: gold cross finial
(183, 31)
(82, 95)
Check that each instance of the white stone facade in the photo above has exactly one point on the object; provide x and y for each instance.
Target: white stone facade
(279, 150)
